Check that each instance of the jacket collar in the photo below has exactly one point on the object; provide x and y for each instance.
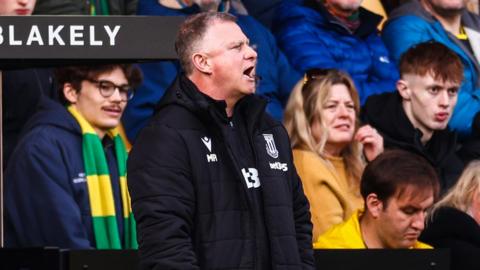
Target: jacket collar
(185, 93)
(385, 112)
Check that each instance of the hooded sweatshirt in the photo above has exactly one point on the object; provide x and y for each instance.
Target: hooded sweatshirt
(385, 113)
(46, 195)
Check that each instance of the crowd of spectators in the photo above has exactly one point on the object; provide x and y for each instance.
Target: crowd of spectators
(381, 126)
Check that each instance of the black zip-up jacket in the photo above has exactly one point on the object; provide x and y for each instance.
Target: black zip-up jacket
(190, 197)
(385, 113)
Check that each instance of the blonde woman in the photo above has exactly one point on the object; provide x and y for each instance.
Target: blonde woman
(455, 221)
(321, 118)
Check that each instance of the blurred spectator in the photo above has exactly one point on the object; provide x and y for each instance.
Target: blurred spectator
(336, 34)
(22, 88)
(397, 187)
(415, 118)
(322, 120)
(263, 11)
(277, 76)
(390, 5)
(450, 23)
(454, 221)
(86, 7)
(65, 185)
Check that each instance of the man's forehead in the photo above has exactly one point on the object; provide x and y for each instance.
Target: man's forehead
(428, 80)
(219, 27)
(414, 196)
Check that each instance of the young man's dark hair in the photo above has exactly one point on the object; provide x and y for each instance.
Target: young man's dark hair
(432, 58)
(392, 171)
(76, 74)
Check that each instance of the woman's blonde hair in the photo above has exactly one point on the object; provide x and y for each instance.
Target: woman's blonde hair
(304, 107)
(460, 196)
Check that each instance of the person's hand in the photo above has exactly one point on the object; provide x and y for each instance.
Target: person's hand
(370, 139)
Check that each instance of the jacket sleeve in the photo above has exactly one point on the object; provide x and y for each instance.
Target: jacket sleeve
(40, 207)
(156, 79)
(159, 181)
(402, 33)
(303, 224)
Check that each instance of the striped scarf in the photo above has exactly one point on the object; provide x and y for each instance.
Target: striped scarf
(99, 7)
(99, 186)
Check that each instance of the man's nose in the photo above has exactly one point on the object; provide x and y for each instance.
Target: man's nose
(444, 99)
(419, 221)
(251, 53)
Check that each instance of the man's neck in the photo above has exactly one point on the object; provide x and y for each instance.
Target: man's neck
(451, 23)
(213, 91)
(368, 233)
(426, 134)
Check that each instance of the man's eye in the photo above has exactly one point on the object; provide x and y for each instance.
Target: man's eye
(434, 90)
(105, 86)
(452, 91)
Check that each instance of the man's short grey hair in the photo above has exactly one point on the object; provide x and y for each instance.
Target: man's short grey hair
(192, 31)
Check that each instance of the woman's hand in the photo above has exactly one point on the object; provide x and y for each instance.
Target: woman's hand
(370, 139)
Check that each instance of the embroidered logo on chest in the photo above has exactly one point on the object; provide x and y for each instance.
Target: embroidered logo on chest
(208, 143)
(270, 145)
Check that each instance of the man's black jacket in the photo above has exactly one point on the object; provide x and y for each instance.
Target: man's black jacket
(190, 196)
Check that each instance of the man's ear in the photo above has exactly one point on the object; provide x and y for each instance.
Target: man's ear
(202, 63)
(404, 89)
(70, 93)
(374, 205)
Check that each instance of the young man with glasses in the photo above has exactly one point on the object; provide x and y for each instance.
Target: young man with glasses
(66, 184)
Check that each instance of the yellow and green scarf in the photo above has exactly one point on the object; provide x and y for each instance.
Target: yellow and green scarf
(99, 185)
(99, 7)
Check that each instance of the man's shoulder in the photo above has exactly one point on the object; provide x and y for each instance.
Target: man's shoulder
(410, 14)
(177, 117)
(343, 235)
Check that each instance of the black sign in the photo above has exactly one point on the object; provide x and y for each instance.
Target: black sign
(87, 37)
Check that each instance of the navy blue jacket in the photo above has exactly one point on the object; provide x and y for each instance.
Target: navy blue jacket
(191, 196)
(278, 77)
(46, 195)
(312, 38)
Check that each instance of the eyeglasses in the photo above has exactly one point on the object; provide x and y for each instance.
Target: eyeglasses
(107, 88)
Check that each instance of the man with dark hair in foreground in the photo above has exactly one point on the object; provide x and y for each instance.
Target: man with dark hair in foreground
(397, 187)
